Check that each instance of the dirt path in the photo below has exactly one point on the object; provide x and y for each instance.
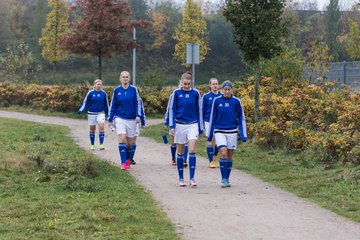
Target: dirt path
(250, 209)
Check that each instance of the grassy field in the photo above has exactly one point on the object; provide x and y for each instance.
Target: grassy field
(52, 189)
(337, 189)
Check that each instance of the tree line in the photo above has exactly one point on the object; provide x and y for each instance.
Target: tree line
(163, 26)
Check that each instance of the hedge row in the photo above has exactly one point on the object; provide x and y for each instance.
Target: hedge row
(320, 121)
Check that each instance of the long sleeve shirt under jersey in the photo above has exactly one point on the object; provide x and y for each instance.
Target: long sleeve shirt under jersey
(227, 115)
(185, 108)
(206, 104)
(96, 102)
(125, 103)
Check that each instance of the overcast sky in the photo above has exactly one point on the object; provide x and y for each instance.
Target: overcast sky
(344, 4)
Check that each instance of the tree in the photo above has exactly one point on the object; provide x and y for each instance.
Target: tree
(258, 30)
(332, 25)
(19, 65)
(5, 32)
(56, 28)
(353, 40)
(192, 29)
(157, 29)
(37, 24)
(101, 29)
(317, 58)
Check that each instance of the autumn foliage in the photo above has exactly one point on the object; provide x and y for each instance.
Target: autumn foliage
(101, 28)
(319, 121)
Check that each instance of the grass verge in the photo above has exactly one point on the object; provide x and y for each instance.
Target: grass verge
(52, 189)
(337, 189)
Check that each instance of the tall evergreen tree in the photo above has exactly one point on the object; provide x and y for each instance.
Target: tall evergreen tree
(55, 29)
(101, 29)
(332, 25)
(353, 40)
(258, 31)
(192, 29)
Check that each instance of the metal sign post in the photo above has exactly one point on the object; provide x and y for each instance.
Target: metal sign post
(193, 57)
(134, 58)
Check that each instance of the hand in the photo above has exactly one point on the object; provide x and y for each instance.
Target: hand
(137, 119)
(111, 126)
(173, 131)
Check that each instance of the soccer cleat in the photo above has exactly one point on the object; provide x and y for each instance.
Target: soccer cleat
(182, 183)
(228, 183)
(102, 147)
(123, 166)
(215, 161)
(212, 164)
(193, 183)
(173, 162)
(127, 164)
(223, 183)
(185, 164)
(92, 147)
(132, 162)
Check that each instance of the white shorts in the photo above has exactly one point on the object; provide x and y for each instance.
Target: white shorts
(95, 119)
(186, 132)
(228, 140)
(207, 129)
(124, 126)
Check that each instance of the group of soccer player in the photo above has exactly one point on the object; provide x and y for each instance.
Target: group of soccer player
(220, 115)
(126, 116)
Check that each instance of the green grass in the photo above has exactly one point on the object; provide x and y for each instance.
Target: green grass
(52, 189)
(337, 189)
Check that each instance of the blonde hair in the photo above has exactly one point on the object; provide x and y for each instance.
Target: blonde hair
(213, 79)
(187, 76)
(124, 72)
(97, 80)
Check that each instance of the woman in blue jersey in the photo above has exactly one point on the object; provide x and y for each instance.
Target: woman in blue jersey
(226, 119)
(124, 114)
(173, 144)
(97, 104)
(206, 104)
(185, 122)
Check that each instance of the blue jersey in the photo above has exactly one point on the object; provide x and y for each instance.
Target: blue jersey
(166, 117)
(206, 104)
(125, 103)
(227, 115)
(185, 108)
(96, 102)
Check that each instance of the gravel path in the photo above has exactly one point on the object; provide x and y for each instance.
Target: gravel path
(250, 209)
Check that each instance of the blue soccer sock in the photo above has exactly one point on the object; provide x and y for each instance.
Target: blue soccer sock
(101, 137)
(180, 166)
(122, 151)
(192, 164)
(173, 150)
(132, 151)
(210, 152)
(216, 150)
(228, 169)
(186, 150)
(92, 137)
(222, 163)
